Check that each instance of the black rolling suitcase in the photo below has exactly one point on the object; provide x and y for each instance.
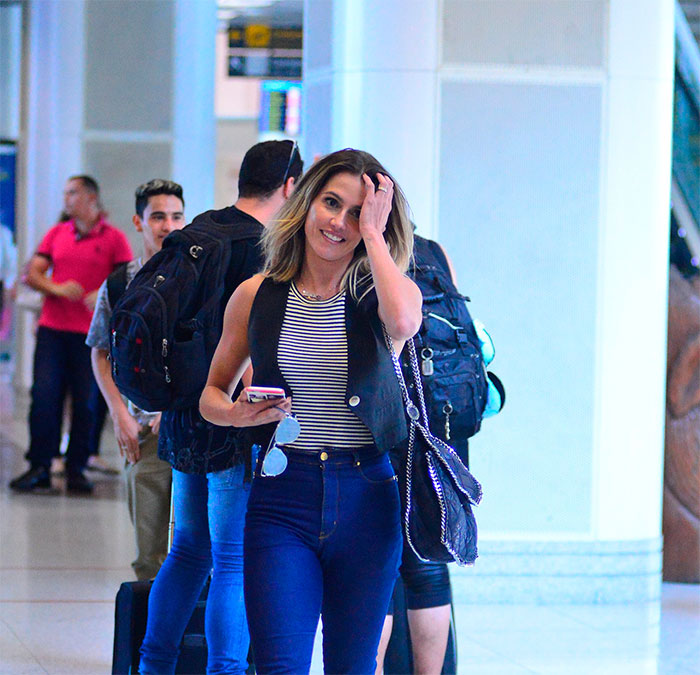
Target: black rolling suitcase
(130, 615)
(130, 612)
(399, 654)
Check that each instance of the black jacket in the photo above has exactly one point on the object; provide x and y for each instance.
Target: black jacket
(371, 376)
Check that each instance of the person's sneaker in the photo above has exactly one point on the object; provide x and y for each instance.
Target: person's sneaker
(37, 478)
(77, 482)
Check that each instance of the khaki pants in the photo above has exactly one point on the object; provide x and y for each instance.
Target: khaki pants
(148, 496)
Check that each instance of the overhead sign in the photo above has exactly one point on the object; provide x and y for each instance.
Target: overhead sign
(280, 107)
(258, 50)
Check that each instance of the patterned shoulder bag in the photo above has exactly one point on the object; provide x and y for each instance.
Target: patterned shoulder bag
(438, 491)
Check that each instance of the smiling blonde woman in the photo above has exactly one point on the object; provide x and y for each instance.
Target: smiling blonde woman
(322, 531)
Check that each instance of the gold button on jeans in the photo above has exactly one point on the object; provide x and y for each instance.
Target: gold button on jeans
(324, 456)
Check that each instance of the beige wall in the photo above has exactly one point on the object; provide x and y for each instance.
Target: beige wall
(233, 138)
(233, 96)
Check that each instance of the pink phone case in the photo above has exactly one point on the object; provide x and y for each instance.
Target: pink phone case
(256, 394)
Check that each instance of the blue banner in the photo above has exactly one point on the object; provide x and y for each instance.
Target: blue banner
(8, 164)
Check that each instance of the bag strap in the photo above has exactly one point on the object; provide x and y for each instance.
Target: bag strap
(439, 255)
(415, 414)
(207, 307)
(116, 284)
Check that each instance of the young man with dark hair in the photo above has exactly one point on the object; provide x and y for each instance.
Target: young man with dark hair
(80, 252)
(210, 491)
(159, 210)
(154, 188)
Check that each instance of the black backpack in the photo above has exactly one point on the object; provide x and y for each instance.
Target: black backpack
(165, 327)
(449, 351)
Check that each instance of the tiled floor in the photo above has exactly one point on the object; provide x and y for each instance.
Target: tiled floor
(62, 559)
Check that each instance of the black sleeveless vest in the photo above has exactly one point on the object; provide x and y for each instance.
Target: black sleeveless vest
(373, 393)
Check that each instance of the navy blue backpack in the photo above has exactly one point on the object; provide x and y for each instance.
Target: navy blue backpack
(167, 323)
(451, 354)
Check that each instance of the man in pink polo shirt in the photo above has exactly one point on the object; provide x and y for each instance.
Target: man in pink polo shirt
(80, 252)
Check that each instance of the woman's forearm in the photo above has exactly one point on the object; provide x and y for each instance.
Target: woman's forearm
(400, 300)
(215, 406)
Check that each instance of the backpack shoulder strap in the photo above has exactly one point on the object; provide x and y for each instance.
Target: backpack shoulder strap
(438, 255)
(116, 284)
(202, 231)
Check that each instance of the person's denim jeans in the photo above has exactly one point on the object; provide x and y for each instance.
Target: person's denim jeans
(209, 516)
(322, 538)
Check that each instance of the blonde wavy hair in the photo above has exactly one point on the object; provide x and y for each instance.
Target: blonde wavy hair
(284, 239)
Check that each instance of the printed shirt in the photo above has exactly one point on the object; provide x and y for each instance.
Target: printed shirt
(98, 335)
(87, 259)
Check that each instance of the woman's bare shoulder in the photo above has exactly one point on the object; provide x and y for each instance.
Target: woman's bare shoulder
(249, 287)
(242, 299)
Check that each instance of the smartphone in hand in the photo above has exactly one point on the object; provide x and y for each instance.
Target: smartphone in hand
(257, 394)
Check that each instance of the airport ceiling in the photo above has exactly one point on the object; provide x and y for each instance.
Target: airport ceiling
(270, 12)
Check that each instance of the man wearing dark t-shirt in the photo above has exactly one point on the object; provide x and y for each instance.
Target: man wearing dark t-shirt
(209, 486)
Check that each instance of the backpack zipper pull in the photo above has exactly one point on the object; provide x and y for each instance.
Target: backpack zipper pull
(165, 353)
(447, 409)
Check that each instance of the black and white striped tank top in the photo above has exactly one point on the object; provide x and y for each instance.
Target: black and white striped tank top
(313, 358)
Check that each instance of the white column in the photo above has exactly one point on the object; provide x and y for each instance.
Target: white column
(153, 116)
(533, 141)
(370, 76)
(10, 48)
(633, 272)
(53, 113)
(123, 95)
(194, 125)
(50, 137)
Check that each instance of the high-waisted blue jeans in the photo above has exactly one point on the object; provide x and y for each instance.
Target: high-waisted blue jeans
(204, 505)
(323, 538)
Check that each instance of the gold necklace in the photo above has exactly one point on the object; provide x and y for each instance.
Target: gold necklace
(309, 295)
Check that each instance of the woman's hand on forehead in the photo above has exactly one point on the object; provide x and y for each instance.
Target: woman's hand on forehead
(376, 206)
